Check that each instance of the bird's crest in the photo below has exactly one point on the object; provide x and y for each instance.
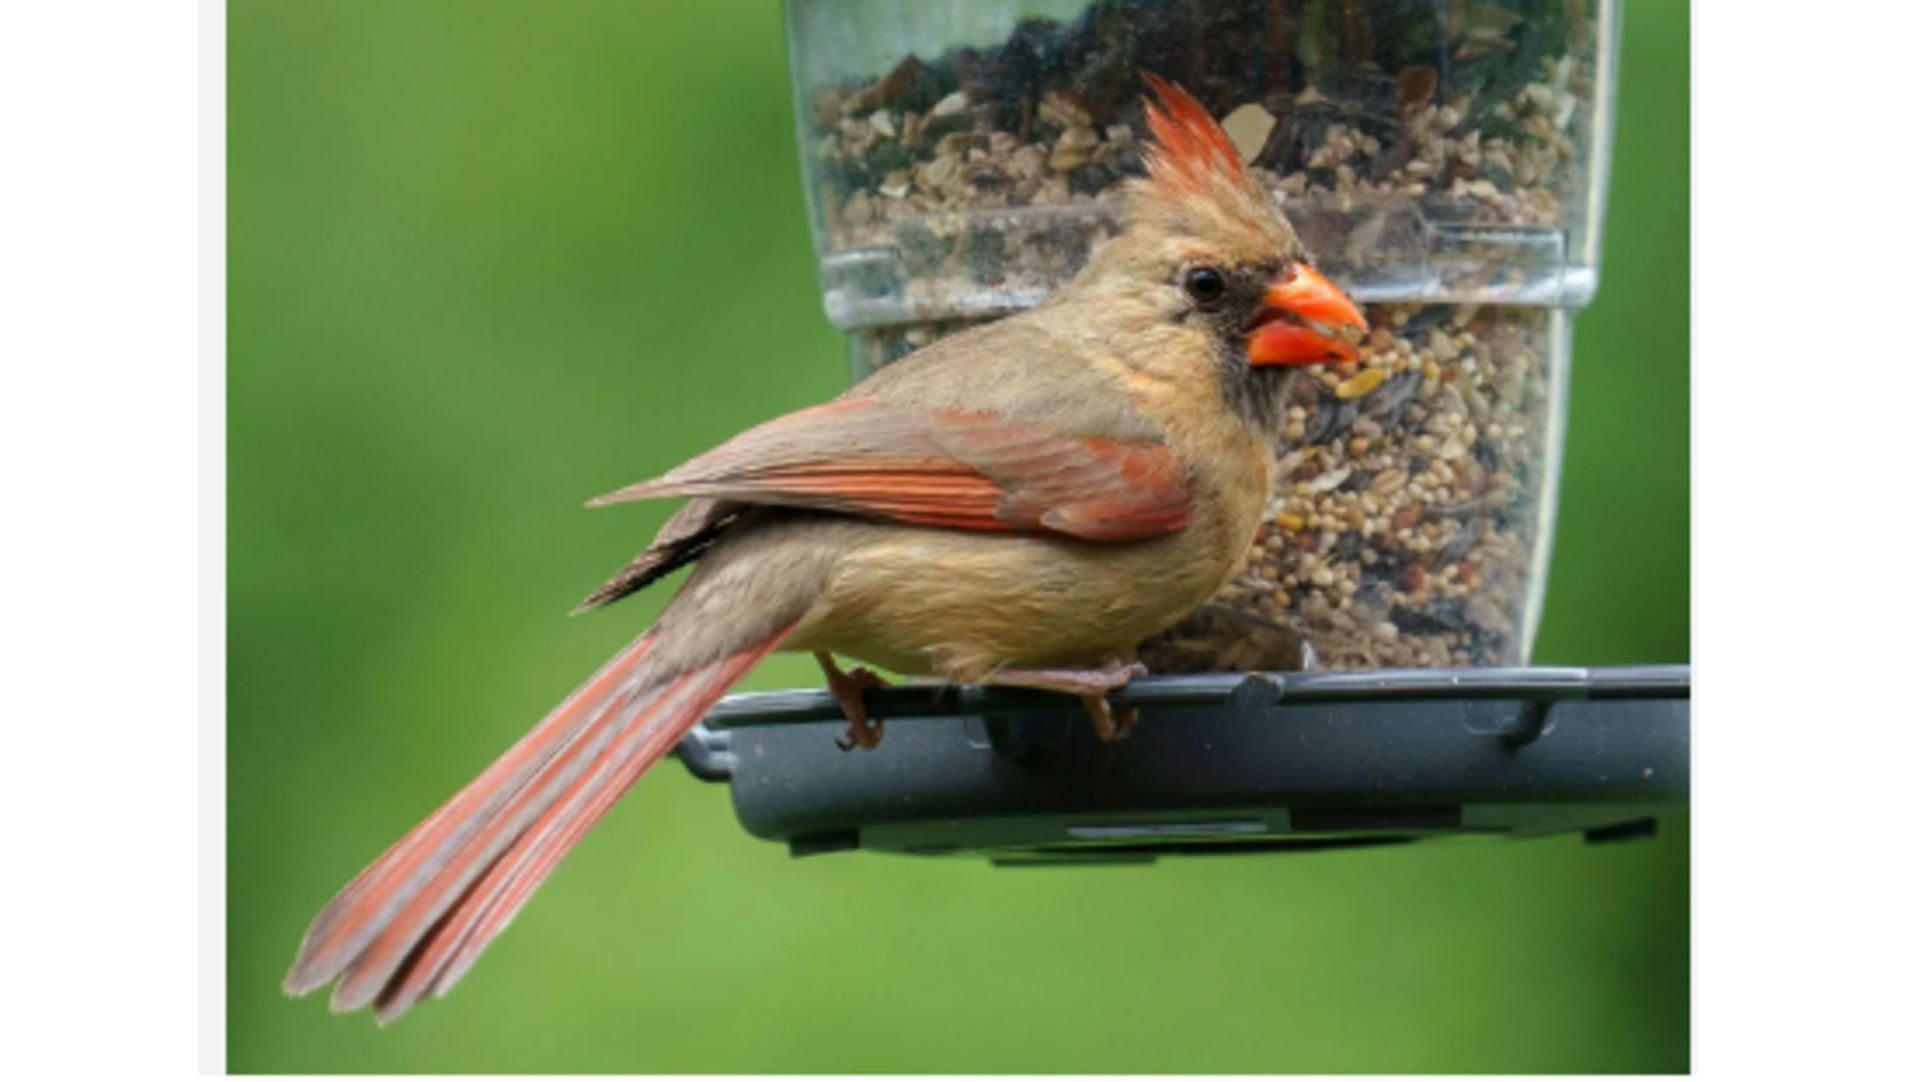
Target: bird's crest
(1191, 152)
(1194, 172)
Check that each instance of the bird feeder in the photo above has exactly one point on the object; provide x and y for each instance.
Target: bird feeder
(1366, 677)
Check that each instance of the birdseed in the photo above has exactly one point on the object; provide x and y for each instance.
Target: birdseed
(990, 175)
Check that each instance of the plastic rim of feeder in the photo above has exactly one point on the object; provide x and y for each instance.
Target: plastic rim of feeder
(1220, 764)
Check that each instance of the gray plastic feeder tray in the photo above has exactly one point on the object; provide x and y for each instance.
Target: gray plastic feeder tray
(1231, 763)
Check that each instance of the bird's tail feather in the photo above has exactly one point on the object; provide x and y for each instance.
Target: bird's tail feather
(416, 920)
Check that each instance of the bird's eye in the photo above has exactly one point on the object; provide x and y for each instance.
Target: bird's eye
(1206, 285)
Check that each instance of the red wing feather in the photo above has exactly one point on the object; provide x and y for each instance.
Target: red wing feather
(957, 469)
(1097, 489)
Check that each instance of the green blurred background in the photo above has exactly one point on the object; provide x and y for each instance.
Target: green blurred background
(488, 259)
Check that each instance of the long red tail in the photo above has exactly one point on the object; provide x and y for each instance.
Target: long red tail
(416, 920)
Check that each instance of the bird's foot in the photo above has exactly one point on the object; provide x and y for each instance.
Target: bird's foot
(1092, 685)
(1110, 722)
(863, 731)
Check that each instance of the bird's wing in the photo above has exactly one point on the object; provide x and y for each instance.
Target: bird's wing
(956, 468)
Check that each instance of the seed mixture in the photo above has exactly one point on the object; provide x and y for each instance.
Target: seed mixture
(994, 173)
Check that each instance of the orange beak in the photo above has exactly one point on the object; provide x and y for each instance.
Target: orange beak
(1301, 321)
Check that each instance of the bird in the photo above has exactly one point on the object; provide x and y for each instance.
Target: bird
(1020, 504)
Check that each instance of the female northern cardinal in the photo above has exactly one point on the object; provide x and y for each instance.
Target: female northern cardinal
(1019, 504)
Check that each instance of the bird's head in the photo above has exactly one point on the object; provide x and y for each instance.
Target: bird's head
(1207, 251)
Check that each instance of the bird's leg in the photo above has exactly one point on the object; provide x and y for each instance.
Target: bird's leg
(863, 731)
(1092, 685)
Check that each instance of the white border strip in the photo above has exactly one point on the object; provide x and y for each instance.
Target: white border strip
(210, 538)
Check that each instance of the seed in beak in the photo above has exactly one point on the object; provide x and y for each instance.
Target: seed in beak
(1302, 320)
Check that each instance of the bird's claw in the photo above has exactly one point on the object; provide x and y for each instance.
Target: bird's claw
(1110, 722)
(849, 688)
(862, 733)
(1092, 685)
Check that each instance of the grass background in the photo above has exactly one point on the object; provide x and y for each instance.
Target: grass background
(488, 259)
